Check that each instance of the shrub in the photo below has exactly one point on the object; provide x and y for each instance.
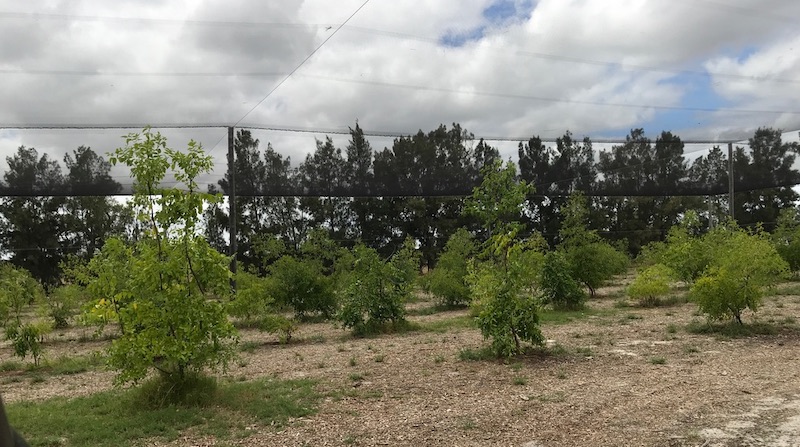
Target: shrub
(107, 279)
(170, 319)
(595, 263)
(251, 301)
(64, 303)
(744, 265)
(280, 325)
(497, 283)
(27, 339)
(18, 290)
(685, 253)
(301, 285)
(591, 260)
(559, 288)
(786, 237)
(448, 280)
(651, 284)
(504, 313)
(375, 291)
(321, 249)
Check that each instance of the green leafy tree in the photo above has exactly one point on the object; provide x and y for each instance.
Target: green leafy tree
(685, 252)
(254, 307)
(448, 280)
(18, 291)
(375, 291)
(651, 284)
(28, 338)
(63, 303)
(559, 288)
(32, 228)
(764, 178)
(591, 260)
(786, 237)
(644, 183)
(252, 301)
(743, 266)
(423, 173)
(321, 249)
(324, 173)
(557, 172)
(172, 323)
(708, 175)
(107, 279)
(504, 313)
(91, 215)
(302, 285)
(265, 182)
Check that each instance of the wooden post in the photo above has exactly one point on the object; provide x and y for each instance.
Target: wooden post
(730, 181)
(233, 248)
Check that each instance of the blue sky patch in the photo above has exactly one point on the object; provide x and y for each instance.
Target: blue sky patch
(458, 39)
(698, 93)
(504, 10)
(498, 13)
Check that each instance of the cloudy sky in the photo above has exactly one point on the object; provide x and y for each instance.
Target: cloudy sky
(704, 69)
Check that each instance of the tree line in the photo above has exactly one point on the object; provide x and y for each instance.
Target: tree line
(416, 188)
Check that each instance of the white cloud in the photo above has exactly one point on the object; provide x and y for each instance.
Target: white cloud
(556, 53)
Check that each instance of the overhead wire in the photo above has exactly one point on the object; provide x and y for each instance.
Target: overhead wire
(310, 55)
(157, 20)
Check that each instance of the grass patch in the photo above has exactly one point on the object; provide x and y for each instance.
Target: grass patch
(519, 381)
(356, 377)
(118, 418)
(658, 360)
(74, 365)
(559, 317)
(792, 289)
(379, 358)
(448, 324)
(438, 359)
(467, 424)
(317, 338)
(558, 396)
(435, 309)
(671, 328)
(11, 365)
(672, 300)
(61, 366)
(557, 350)
(733, 329)
(352, 361)
(249, 347)
(689, 349)
(584, 351)
(469, 354)
(373, 329)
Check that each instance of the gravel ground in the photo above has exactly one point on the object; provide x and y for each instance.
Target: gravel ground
(627, 376)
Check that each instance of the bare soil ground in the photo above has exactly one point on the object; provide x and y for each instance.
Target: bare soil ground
(622, 376)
